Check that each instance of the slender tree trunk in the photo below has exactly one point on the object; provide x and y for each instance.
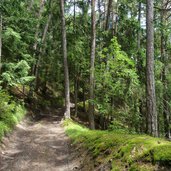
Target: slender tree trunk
(139, 23)
(0, 43)
(66, 72)
(32, 86)
(38, 24)
(150, 81)
(92, 61)
(105, 13)
(140, 69)
(76, 95)
(76, 68)
(113, 22)
(163, 59)
(99, 11)
(41, 49)
(74, 15)
(42, 2)
(116, 21)
(44, 89)
(108, 14)
(84, 100)
(139, 56)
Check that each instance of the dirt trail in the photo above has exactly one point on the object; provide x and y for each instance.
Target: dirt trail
(37, 146)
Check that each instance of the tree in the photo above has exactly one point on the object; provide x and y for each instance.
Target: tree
(164, 38)
(108, 13)
(92, 61)
(66, 72)
(107, 72)
(0, 42)
(152, 122)
(42, 3)
(40, 51)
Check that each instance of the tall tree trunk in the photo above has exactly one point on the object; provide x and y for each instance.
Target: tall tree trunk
(0, 43)
(74, 15)
(66, 72)
(92, 61)
(76, 95)
(99, 11)
(139, 23)
(140, 69)
(105, 13)
(41, 49)
(42, 2)
(84, 100)
(76, 68)
(32, 86)
(139, 56)
(108, 14)
(164, 60)
(150, 81)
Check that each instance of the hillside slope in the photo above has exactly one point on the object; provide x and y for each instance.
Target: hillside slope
(120, 151)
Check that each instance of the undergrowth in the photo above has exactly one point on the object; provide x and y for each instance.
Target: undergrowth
(11, 113)
(125, 151)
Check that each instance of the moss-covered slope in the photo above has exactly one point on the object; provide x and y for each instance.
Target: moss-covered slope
(124, 151)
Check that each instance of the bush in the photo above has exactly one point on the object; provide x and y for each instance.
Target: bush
(10, 113)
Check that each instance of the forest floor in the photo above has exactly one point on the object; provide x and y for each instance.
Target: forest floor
(38, 145)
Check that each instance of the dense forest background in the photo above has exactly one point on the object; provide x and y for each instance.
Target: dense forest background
(109, 58)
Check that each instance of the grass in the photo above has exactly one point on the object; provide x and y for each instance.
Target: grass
(132, 151)
(10, 119)
(11, 112)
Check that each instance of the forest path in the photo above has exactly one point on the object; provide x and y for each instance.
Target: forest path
(37, 146)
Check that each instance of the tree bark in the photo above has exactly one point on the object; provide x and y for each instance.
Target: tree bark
(84, 100)
(38, 24)
(32, 85)
(164, 60)
(76, 68)
(41, 49)
(108, 14)
(99, 11)
(76, 95)
(150, 81)
(139, 23)
(92, 61)
(66, 72)
(139, 57)
(0, 43)
(42, 2)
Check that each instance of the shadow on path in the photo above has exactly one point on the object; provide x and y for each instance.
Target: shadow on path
(39, 144)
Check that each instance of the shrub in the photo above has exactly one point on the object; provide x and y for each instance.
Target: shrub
(11, 113)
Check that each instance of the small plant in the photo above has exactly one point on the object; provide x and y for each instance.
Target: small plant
(10, 113)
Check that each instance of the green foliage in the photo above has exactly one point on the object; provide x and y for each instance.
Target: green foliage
(10, 113)
(10, 34)
(116, 125)
(117, 77)
(120, 93)
(17, 74)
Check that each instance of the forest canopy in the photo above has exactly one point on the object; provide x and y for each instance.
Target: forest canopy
(110, 58)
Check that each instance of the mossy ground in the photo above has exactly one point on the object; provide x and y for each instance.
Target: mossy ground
(132, 152)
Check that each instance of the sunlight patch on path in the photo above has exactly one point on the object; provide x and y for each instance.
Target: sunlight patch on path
(36, 146)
